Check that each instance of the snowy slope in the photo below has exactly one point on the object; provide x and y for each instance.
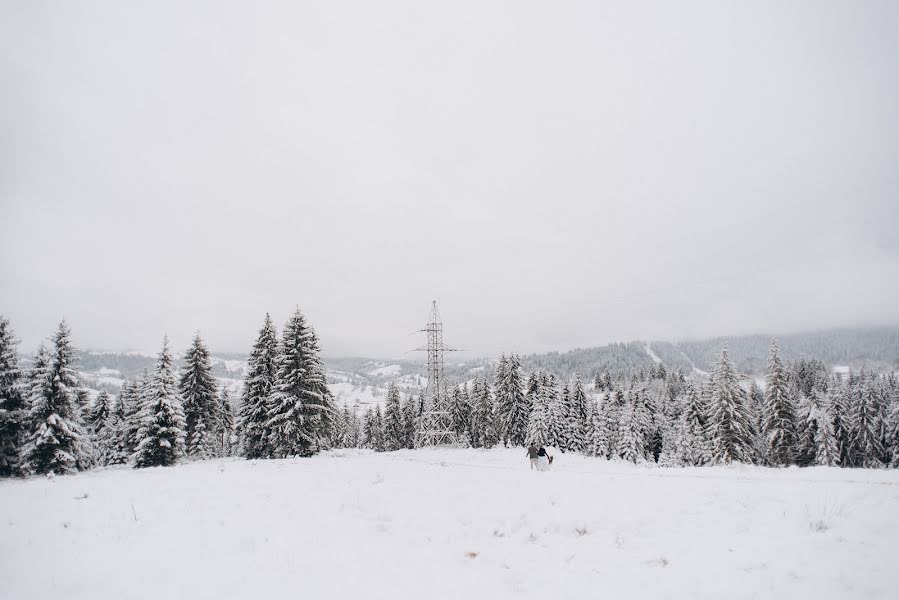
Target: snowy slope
(447, 524)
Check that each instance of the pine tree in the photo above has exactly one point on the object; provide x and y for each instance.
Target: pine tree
(107, 438)
(262, 373)
(374, 430)
(549, 398)
(301, 409)
(394, 432)
(563, 419)
(893, 432)
(99, 412)
(460, 411)
(693, 446)
(839, 405)
(866, 446)
(538, 429)
(163, 424)
(200, 444)
(57, 443)
(13, 413)
(226, 422)
(827, 449)
(630, 444)
(779, 416)
(200, 395)
(578, 423)
(599, 431)
(730, 421)
(409, 420)
(131, 397)
(513, 408)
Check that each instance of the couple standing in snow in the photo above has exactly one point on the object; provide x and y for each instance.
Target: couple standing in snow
(539, 457)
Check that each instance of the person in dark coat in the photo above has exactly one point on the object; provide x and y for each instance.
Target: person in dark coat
(532, 454)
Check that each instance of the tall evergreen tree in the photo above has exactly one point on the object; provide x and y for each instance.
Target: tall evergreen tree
(552, 407)
(630, 444)
(827, 449)
(394, 430)
(693, 445)
(866, 447)
(513, 408)
(730, 421)
(538, 429)
(259, 383)
(483, 417)
(162, 417)
(409, 421)
(779, 416)
(460, 410)
(578, 423)
(99, 412)
(301, 409)
(600, 442)
(839, 405)
(57, 443)
(200, 395)
(111, 444)
(225, 422)
(13, 413)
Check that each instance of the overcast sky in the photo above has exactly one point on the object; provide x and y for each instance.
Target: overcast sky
(555, 174)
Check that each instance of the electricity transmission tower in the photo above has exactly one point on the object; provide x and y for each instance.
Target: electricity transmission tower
(435, 425)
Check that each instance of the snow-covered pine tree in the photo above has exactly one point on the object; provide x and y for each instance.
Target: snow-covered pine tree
(563, 418)
(779, 415)
(599, 430)
(893, 431)
(757, 408)
(394, 433)
(552, 406)
(225, 422)
(201, 445)
(538, 429)
(512, 403)
(630, 446)
(827, 448)
(377, 430)
(114, 433)
(730, 421)
(409, 421)
(142, 391)
(162, 419)
(839, 405)
(57, 442)
(200, 395)
(810, 411)
(692, 443)
(99, 412)
(13, 413)
(578, 423)
(866, 447)
(301, 408)
(460, 410)
(262, 373)
(483, 417)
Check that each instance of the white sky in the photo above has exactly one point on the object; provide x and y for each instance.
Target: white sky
(556, 174)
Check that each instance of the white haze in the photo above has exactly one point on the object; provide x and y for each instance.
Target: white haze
(555, 174)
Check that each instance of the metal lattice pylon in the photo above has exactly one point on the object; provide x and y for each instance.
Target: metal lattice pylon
(435, 423)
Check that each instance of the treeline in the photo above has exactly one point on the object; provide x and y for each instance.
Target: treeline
(804, 416)
(47, 424)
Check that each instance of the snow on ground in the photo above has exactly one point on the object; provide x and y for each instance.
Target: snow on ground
(449, 524)
(352, 395)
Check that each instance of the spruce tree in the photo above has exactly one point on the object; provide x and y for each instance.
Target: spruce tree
(200, 395)
(109, 437)
(866, 423)
(599, 431)
(549, 398)
(394, 432)
(630, 444)
(225, 422)
(162, 419)
(578, 423)
(99, 412)
(513, 407)
(779, 415)
(484, 416)
(460, 411)
(57, 442)
(258, 387)
(563, 418)
(13, 413)
(730, 421)
(693, 446)
(301, 409)
(538, 430)
(839, 405)
(827, 449)
(409, 420)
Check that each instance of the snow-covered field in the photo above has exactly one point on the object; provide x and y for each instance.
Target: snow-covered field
(450, 524)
